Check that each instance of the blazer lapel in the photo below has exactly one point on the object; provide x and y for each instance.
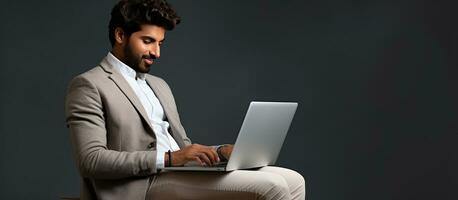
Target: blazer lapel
(159, 92)
(127, 90)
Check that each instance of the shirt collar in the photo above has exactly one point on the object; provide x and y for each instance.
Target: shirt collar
(123, 68)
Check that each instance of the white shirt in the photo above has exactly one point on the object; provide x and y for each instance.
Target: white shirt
(153, 107)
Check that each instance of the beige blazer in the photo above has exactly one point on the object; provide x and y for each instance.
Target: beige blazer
(113, 141)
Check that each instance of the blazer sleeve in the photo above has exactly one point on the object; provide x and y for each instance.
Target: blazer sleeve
(85, 118)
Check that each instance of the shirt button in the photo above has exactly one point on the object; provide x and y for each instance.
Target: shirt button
(151, 145)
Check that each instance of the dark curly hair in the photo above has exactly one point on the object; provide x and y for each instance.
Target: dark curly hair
(131, 14)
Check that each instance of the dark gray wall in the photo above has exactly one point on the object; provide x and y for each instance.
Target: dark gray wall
(376, 82)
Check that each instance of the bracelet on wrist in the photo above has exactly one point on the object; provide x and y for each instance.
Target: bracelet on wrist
(169, 163)
(220, 155)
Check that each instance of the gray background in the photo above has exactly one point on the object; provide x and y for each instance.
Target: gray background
(376, 82)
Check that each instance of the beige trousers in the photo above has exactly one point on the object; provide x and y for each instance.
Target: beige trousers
(265, 183)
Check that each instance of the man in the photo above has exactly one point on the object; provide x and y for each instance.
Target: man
(125, 127)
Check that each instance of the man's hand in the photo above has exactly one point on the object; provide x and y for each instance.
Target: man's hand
(226, 150)
(205, 155)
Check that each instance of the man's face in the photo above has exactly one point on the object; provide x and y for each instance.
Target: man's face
(143, 47)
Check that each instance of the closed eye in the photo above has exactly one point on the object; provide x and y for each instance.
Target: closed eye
(147, 41)
(150, 40)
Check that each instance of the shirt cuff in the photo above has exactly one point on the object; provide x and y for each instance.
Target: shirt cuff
(160, 160)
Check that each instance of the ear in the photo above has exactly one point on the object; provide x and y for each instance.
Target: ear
(119, 35)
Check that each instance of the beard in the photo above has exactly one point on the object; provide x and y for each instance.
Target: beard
(135, 62)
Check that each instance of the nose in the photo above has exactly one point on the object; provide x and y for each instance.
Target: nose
(155, 50)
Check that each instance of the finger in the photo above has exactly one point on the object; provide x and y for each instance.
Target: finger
(211, 154)
(198, 160)
(215, 155)
(205, 158)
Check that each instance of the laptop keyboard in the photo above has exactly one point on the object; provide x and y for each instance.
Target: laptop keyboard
(196, 164)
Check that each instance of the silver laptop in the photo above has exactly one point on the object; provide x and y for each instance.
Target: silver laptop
(260, 138)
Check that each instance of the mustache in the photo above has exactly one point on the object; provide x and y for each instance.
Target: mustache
(150, 56)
